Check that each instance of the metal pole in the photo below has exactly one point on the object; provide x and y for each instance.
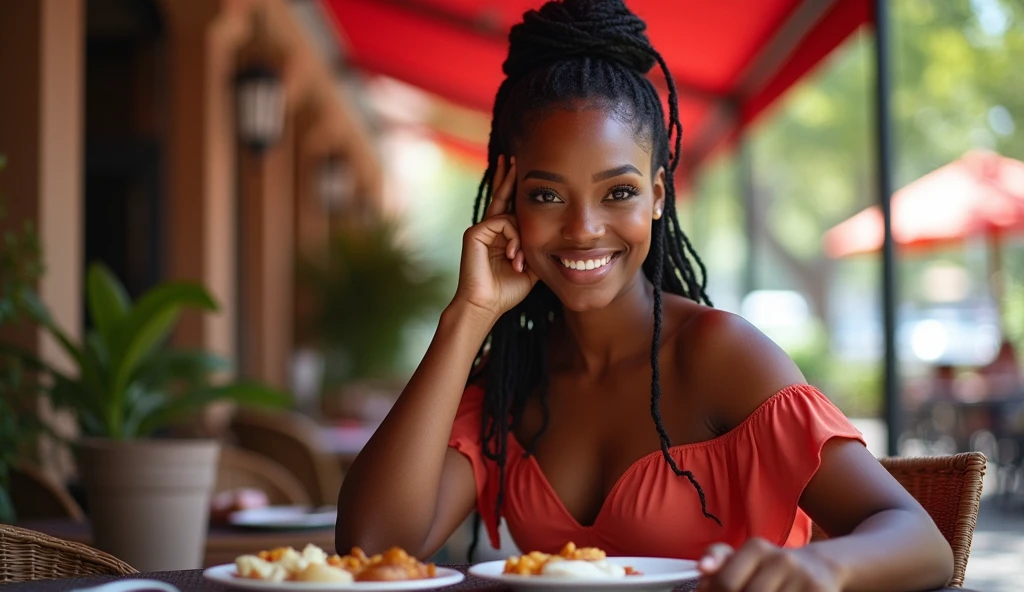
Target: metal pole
(884, 153)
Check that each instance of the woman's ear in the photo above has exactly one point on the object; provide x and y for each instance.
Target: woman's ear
(659, 193)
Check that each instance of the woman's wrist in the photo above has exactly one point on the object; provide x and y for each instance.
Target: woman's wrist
(467, 316)
(839, 572)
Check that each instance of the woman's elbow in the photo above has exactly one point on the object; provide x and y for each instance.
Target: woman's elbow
(944, 559)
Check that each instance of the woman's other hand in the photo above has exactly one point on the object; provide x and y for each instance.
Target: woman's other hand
(759, 566)
(493, 276)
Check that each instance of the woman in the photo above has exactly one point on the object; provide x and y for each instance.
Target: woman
(578, 289)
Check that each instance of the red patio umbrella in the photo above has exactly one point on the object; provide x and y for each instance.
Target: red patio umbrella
(982, 193)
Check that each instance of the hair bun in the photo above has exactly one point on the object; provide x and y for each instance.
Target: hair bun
(564, 29)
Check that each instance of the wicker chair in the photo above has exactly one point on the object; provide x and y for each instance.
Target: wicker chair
(37, 496)
(289, 439)
(27, 555)
(241, 468)
(949, 489)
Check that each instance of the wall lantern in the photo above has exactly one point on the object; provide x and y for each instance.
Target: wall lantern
(336, 184)
(260, 112)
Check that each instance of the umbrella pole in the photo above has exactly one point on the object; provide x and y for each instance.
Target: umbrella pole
(891, 392)
(996, 278)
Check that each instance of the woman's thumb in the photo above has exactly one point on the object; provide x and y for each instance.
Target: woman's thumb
(714, 557)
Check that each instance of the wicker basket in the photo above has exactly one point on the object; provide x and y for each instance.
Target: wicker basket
(949, 489)
(27, 555)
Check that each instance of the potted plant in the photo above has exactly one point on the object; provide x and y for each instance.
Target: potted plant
(147, 494)
(367, 291)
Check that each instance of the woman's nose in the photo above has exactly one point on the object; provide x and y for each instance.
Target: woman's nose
(582, 225)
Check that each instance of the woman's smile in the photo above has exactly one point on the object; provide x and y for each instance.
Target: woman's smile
(585, 266)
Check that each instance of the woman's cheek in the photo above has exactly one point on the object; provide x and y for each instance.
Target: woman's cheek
(529, 235)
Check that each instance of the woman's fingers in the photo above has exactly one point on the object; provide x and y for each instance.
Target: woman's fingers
(505, 180)
(488, 231)
(519, 262)
(512, 249)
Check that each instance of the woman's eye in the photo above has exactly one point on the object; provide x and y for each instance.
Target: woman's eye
(544, 197)
(623, 193)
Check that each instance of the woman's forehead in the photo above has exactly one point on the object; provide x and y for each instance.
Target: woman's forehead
(592, 134)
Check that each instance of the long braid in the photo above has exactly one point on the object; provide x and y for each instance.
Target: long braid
(595, 51)
(666, 443)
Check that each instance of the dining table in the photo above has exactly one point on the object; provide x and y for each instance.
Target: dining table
(194, 580)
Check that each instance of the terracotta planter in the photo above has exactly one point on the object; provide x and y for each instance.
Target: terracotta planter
(149, 500)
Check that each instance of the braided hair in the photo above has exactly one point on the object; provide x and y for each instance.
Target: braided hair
(569, 52)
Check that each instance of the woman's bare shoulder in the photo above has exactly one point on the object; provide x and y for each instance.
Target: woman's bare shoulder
(730, 362)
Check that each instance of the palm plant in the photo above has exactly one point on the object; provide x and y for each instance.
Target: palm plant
(369, 289)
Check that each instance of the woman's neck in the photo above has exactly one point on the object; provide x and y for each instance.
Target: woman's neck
(598, 339)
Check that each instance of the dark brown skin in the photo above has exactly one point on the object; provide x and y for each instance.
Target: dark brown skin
(407, 488)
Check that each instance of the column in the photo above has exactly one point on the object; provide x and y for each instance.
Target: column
(41, 69)
(200, 211)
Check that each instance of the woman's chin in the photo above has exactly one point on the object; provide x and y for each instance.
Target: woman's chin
(576, 300)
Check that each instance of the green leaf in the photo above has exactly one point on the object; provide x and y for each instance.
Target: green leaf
(108, 300)
(173, 296)
(144, 404)
(147, 326)
(245, 393)
(188, 366)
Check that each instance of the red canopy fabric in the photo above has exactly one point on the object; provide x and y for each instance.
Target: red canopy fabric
(982, 193)
(730, 58)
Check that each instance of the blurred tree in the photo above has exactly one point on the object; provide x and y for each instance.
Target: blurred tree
(954, 89)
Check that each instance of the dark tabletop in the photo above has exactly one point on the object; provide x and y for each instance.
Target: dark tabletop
(193, 580)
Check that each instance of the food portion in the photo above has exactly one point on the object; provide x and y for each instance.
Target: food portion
(285, 564)
(570, 562)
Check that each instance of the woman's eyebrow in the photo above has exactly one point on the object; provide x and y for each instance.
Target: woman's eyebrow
(544, 176)
(622, 170)
(556, 178)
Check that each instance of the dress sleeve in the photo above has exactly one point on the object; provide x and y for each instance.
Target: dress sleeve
(465, 438)
(787, 436)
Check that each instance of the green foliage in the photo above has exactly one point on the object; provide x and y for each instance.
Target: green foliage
(369, 289)
(128, 383)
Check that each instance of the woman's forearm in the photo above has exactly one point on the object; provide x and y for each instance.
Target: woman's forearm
(892, 550)
(389, 496)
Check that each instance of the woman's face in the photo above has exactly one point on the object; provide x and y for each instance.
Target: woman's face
(585, 200)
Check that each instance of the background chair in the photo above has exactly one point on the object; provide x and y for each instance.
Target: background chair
(289, 439)
(949, 489)
(37, 496)
(27, 555)
(238, 468)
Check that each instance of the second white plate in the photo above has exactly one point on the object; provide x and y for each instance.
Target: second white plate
(283, 517)
(659, 575)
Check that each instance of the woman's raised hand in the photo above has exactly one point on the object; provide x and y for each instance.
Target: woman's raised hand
(493, 276)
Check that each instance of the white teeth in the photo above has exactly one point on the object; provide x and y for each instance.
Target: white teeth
(588, 264)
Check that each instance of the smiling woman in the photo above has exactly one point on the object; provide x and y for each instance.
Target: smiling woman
(581, 387)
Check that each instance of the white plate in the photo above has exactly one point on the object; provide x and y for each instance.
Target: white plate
(659, 574)
(225, 574)
(284, 517)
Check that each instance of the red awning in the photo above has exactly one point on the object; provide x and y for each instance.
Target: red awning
(730, 58)
(981, 193)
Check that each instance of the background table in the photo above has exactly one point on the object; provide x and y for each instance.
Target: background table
(223, 543)
(193, 580)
